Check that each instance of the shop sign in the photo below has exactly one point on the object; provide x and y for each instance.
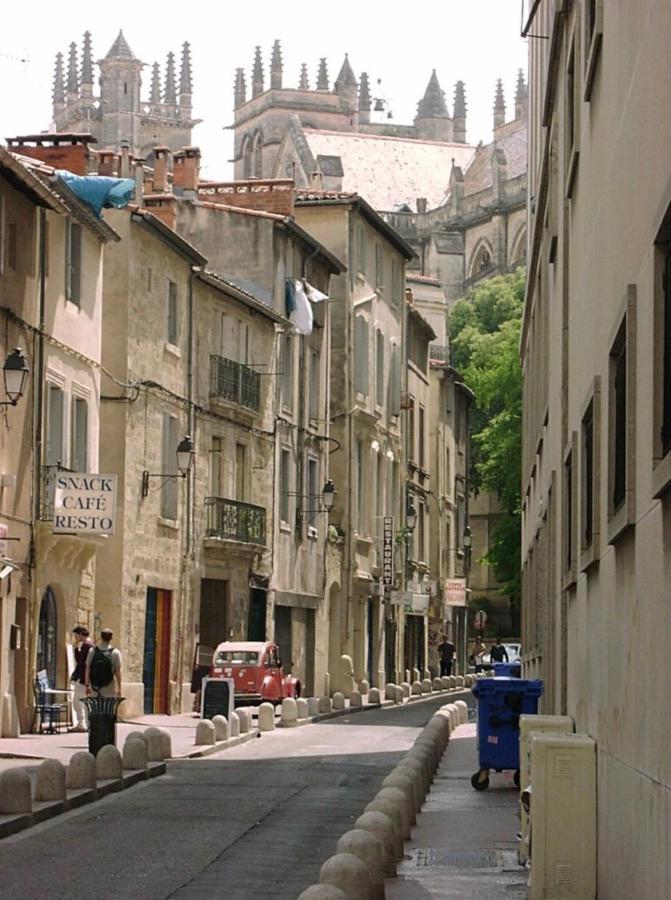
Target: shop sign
(420, 603)
(84, 503)
(454, 592)
(388, 551)
(400, 598)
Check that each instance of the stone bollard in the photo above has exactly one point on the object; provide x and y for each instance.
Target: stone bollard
(405, 687)
(234, 725)
(50, 781)
(453, 681)
(346, 683)
(205, 733)
(462, 707)
(367, 847)
(289, 711)
(327, 684)
(154, 741)
(460, 681)
(424, 759)
(16, 792)
(133, 755)
(416, 689)
(313, 706)
(355, 699)
(398, 694)
(221, 729)
(399, 780)
(302, 708)
(445, 683)
(388, 808)
(426, 686)
(415, 780)
(374, 697)
(324, 705)
(137, 734)
(267, 716)
(245, 718)
(416, 675)
(167, 742)
(109, 766)
(417, 769)
(339, 700)
(437, 684)
(347, 872)
(322, 892)
(390, 692)
(82, 769)
(381, 828)
(364, 686)
(400, 800)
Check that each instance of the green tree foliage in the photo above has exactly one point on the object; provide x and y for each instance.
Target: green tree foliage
(484, 337)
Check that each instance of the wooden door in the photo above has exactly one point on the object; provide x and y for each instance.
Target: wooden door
(156, 669)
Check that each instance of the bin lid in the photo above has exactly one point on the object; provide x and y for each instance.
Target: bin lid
(501, 684)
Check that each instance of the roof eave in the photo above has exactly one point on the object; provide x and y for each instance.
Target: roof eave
(146, 219)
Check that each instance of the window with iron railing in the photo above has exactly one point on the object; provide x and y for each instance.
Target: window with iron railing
(235, 521)
(236, 382)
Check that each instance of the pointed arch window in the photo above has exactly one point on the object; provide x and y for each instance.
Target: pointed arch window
(482, 260)
(47, 635)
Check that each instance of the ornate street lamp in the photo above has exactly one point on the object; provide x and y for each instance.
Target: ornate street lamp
(15, 373)
(185, 457)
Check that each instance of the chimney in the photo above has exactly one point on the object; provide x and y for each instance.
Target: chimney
(138, 174)
(422, 204)
(316, 182)
(161, 164)
(186, 171)
(70, 153)
(106, 162)
(164, 207)
(124, 164)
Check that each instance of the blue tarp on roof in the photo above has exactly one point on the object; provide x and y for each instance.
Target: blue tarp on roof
(99, 191)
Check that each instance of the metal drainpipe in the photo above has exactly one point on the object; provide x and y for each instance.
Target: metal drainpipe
(349, 400)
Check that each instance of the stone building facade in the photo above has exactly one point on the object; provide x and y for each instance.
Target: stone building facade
(596, 355)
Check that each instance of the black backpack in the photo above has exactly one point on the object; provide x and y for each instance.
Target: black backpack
(102, 668)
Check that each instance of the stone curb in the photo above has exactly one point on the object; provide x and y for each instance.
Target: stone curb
(209, 749)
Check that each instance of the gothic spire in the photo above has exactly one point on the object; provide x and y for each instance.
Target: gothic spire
(521, 95)
(120, 49)
(346, 78)
(276, 67)
(499, 105)
(322, 76)
(304, 82)
(58, 94)
(87, 60)
(240, 89)
(73, 81)
(185, 81)
(364, 93)
(459, 113)
(432, 104)
(257, 74)
(155, 90)
(169, 90)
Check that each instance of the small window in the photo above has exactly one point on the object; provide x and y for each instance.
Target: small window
(285, 485)
(313, 495)
(411, 431)
(241, 478)
(171, 335)
(80, 433)
(314, 384)
(618, 395)
(216, 468)
(55, 425)
(421, 438)
(287, 371)
(587, 505)
(379, 267)
(395, 381)
(379, 368)
(593, 36)
(73, 262)
(361, 250)
(361, 373)
(169, 467)
(568, 553)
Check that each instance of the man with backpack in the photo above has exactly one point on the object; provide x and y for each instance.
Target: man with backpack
(103, 667)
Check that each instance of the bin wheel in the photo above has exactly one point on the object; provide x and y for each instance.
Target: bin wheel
(480, 781)
(516, 777)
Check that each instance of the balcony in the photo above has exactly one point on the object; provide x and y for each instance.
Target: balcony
(235, 521)
(233, 381)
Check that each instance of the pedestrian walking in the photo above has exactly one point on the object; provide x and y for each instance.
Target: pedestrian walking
(103, 667)
(83, 644)
(478, 654)
(446, 651)
(498, 652)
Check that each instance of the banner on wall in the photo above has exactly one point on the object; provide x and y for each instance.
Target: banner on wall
(454, 592)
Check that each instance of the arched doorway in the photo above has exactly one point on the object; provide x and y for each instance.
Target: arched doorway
(47, 635)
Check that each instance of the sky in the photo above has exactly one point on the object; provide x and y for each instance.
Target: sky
(477, 41)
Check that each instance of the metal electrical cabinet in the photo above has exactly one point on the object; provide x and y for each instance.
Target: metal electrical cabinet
(529, 725)
(563, 817)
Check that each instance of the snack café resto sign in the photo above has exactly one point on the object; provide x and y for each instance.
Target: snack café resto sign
(84, 503)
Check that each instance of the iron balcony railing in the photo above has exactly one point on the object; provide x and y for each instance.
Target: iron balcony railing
(235, 521)
(49, 475)
(233, 381)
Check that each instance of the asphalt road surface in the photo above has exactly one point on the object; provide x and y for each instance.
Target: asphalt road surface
(256, 821)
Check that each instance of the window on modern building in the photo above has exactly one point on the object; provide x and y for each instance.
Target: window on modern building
(313, 411)
(587, 487)
(285, 484)
(411, 431)
(171, 324)
(241, 473)
(287, 371)
(379, 368)
(55, 425)
(379, 267)
(313, 496)
(421, 425)
(618, 418)
(360, 488)
(395, 381)
(568, 552)
(361, 250)
(216, 468)
(79, 434)
(169, 467)
(361, 373)
(73, 262)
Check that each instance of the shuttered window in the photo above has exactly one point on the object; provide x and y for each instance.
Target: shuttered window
(73, 262)
(80, 434)
(169, 467)
(284, 484)
(314, 384)
(379, 368)
(55, 410)
(171, 335)
(361, 355)
(395, 381)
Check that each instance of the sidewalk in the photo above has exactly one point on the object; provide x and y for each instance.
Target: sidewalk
(463, 845)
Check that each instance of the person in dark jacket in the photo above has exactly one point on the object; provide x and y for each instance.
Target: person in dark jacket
(446, 654)
(498, 653)
(83, 643)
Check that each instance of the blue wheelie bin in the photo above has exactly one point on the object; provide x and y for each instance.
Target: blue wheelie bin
(501, 702)
(507, 669)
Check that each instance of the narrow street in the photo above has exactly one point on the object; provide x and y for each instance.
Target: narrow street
(256, 822)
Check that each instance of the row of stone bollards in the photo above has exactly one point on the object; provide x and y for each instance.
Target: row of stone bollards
(86, 778)
(368, 854)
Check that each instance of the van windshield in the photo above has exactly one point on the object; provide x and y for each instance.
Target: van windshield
(237, 658)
